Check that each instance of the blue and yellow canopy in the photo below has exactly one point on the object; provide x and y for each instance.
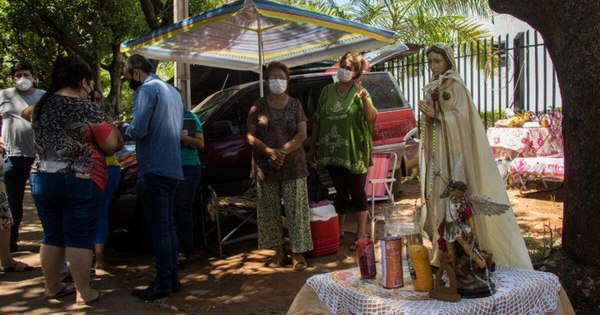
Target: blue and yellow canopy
(232, 36)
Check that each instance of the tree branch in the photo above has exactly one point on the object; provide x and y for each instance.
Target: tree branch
(150, 14)
(58, 34)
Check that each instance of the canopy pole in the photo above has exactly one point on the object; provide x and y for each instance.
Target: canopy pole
(182, 70)
(260, 57)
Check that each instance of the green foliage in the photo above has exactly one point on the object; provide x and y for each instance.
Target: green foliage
(492, 117)
(40, 30)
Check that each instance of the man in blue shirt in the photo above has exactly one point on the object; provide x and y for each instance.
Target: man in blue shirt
(156, 128)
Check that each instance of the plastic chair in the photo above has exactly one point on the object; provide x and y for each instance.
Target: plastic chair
(381, 178)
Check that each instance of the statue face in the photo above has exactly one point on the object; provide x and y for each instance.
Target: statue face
(437, 63)
(457, 195)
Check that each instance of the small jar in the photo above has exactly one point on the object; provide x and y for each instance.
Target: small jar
(544, 123)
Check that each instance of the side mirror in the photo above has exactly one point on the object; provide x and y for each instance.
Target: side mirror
(221, 128)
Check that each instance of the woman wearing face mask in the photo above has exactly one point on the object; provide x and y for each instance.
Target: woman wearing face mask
(276, 130)
(72, 136)
(342, 126)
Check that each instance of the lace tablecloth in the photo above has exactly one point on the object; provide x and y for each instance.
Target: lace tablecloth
(526, 142)
(519, 291)
(543, 166)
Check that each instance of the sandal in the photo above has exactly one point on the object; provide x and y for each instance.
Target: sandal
(98, 298)
(65, 290)
(353, 246)
(298, 262)
(18, 267)
(279, 260)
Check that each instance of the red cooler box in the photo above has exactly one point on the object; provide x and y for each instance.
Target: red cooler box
(324, 228)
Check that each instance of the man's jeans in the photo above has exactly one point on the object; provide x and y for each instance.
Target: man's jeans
(15, 177)
(157, 194)
(184, 205)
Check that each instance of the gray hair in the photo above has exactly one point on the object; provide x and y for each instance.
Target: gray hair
(138, 62)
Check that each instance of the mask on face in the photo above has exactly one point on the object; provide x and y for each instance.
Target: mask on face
(277, 86)
(134, 85)
(23, 84)
(344, 75)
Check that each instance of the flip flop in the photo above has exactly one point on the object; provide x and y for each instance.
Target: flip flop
(98, 298)
(65, 290)
(18, 267)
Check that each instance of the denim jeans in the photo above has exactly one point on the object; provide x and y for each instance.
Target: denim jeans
(157, 194)
(184, 201)
(68, 208)
(114, 175)
(15, 177)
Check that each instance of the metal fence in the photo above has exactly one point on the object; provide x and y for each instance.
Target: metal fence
(501, 72)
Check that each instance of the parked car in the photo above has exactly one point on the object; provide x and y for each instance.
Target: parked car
(226, 157)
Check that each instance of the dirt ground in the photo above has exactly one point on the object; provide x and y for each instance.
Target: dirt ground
(239, 283)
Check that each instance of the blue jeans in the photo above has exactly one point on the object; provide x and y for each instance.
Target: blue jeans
(114, 175)
(184, 201)
(157, 194)
(15, 177)
(68, 208)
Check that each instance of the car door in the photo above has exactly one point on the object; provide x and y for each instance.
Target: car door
(227, 156)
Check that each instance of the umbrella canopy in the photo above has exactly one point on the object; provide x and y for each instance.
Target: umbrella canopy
(235, 35)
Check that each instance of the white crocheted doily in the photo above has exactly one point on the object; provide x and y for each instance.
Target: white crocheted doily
(518, 291)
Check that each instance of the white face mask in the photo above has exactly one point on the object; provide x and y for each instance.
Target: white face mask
(345, 75)
(23, 84)
(277, 86)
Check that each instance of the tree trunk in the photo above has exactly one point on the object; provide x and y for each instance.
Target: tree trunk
(113, 100)
(571, 30)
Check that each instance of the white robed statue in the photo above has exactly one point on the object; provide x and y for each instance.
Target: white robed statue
(452, 128)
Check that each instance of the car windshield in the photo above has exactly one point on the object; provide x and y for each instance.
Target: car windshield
(212, 103)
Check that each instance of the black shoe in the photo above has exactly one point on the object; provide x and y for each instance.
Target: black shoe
(175, 286)
(67, 279)
(150, 294)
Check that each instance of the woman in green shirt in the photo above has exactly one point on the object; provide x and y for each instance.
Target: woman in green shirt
(192, 140)
(342, 128)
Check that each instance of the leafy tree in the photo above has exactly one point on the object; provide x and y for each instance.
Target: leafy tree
(39, 30)
(570, 30)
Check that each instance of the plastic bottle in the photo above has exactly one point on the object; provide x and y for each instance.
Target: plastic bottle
(420, 269)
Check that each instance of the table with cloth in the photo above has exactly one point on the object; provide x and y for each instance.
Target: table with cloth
(524, 142)
(518, 291)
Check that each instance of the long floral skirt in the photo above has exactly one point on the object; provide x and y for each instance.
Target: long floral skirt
(294, 194)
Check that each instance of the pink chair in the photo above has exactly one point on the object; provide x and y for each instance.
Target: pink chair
(381, 178)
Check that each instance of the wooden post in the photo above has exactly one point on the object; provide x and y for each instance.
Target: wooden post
(182, 70)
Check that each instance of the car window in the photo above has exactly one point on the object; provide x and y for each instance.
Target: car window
(384, 91)
(213, 103)
(237, 112)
